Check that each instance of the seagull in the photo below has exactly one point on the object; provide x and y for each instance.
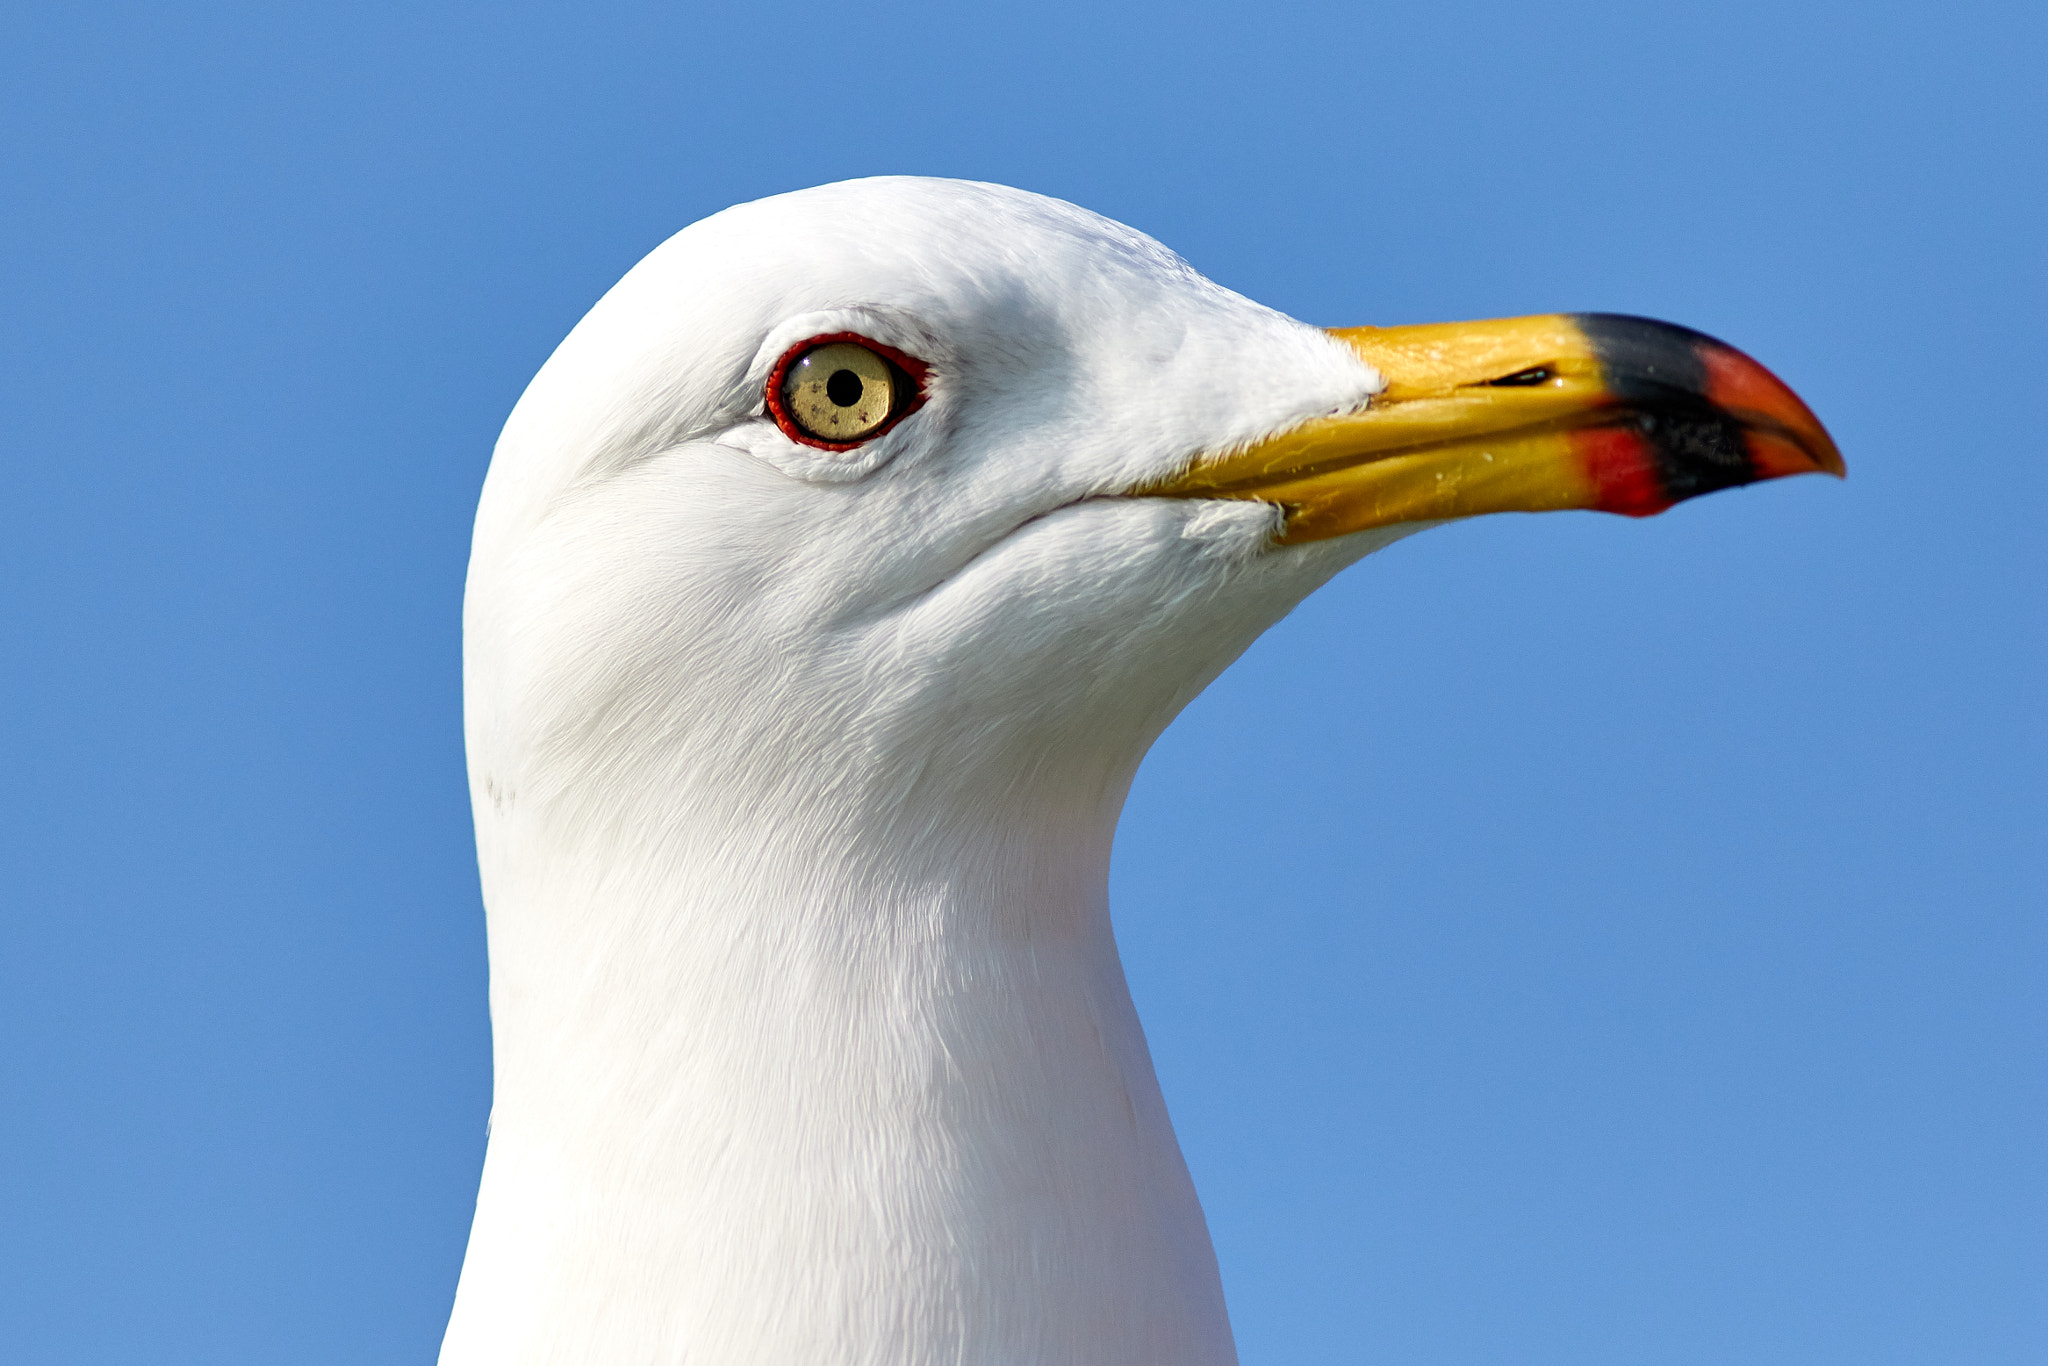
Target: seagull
(828, 585)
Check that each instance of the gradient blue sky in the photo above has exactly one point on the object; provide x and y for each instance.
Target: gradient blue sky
(1565, 940)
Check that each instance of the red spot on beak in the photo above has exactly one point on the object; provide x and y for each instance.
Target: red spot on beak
(1622, 468)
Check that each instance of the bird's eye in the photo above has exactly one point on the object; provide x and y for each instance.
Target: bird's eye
(837, 392)
(840, 390)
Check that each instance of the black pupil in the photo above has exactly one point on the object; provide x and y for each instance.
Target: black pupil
(844, 388)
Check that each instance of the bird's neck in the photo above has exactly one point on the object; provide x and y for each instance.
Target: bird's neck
(768, 1106)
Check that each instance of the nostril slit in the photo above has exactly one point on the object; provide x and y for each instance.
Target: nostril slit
(1523, 379)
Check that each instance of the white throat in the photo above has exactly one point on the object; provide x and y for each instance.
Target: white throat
(759, 1106)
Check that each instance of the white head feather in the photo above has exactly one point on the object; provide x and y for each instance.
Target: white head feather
(796, 772)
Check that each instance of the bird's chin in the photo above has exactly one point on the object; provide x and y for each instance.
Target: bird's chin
(1109, 607)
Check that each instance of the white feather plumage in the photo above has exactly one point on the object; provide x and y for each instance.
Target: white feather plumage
(795, 776)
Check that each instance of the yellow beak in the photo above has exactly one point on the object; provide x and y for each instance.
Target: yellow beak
(1581, 410)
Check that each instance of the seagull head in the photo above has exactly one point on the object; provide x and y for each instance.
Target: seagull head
(829, 583)
(912, 505)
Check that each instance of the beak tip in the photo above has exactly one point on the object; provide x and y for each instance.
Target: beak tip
(1785, 437)
(1778, 452)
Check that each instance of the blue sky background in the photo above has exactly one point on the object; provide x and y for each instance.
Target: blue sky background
(1565, 940)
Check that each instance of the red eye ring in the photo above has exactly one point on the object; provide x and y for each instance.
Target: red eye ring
(910, 373)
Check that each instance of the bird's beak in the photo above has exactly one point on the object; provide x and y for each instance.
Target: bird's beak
(1580, 410)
